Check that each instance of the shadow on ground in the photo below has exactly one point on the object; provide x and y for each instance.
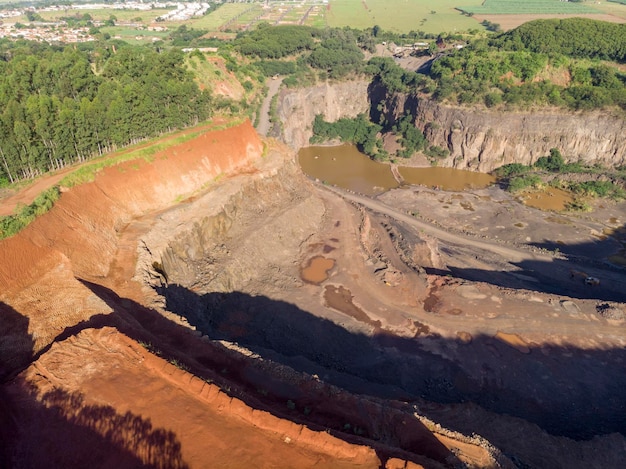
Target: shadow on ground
(566, 391)
(69, 426)
(59, 429)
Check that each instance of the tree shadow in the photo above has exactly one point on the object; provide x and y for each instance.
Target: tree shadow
(566, 391)
(312, 403)
(16, 343)
(59, 429)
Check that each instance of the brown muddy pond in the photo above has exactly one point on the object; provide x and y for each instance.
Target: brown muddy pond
(340, 298)
(317, 269)
(347, 167)
(549, 198)
(447, 179)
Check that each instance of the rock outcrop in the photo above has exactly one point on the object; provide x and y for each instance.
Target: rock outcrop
(299, 107)
(482, 140)
(478, 139)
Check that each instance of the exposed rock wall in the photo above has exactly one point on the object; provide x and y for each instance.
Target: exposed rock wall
(483, 140)
(39, 294)
(298, 108)
(219, 241)
(477, 139)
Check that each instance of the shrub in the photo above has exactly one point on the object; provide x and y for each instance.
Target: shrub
(529, 181)
(513, 169)
(13, 224)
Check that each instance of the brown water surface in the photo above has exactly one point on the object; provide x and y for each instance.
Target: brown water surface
(548, 198)
(340, 298)
(448, 179)
(317, 269)
(345, 166)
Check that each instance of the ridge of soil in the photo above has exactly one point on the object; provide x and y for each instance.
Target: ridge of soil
(417, 348)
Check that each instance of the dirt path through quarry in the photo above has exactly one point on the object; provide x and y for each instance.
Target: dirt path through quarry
(408, 318)
(264, 125)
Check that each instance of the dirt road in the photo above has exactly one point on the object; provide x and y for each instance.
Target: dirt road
(264, 122)
(534, 270)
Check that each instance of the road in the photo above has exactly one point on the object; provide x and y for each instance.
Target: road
(509, 253)
(264, 125)
(538, 271)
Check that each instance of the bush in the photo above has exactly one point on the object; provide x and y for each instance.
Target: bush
(359, 131)
(598, 189)
(553, 163)
(436, 152)
(513, 169)
(13, 224)
(530, 181)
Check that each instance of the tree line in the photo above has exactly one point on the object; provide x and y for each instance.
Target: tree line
(334, 51)
(515, 68)
(62, 105)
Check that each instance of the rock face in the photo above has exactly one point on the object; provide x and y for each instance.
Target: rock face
(483, 140)
(299, 107)
(217, 242)
(39, 295)
(477, 139)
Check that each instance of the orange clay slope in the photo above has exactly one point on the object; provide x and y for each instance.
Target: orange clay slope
(79, 387)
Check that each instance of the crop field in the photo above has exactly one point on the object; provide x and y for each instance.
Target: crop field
(402, 15)
(133, 35)
(215, 20)
(138, 16)
(528, 7)
(239, 16)
(615, 8)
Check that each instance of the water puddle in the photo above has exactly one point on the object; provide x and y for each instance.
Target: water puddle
(448, 179)
(514, 341)
(549, 198)
(347, 167)
(317, 270)
(340, 298)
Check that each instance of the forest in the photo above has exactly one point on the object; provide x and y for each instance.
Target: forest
(334, 52)
(62, 105)
(65, 104)
(517, 68)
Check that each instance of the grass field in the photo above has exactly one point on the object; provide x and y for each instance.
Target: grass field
(133, 35)
(613, 8)
(402, 15)
(529, 7)
(103, 14)
(222, 15)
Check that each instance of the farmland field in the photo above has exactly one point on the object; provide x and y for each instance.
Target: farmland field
(236, 16)
(133, 35)
(507, 22)
(402, 15)
(532, 7)
(147, 16)
(222, 15)
(613, 8)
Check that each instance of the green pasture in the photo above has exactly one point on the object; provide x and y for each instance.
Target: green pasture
(103, 14)
(220, 16)
(528, 7)
(402, 16)
(616, 8)
(133, 35)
